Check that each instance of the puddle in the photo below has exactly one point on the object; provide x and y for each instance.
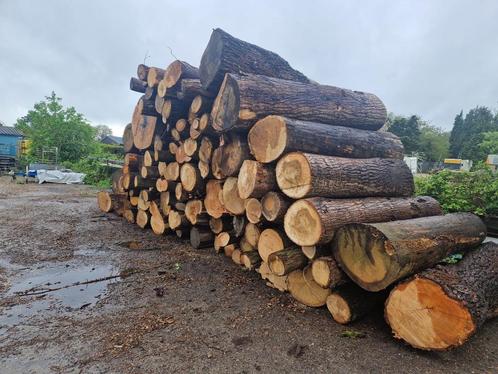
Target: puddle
(55, 288)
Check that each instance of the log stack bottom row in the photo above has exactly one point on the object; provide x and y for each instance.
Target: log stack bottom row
(247, 157)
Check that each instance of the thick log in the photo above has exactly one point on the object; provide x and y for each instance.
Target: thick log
(314, 221)
(112, 202)
(349, 303)
(172, 171)
(137, 85)
(375, 255)
(154, 76)
(144, 134)
(253, 210)
(302, 175)
(271, 241)
(128, 145)
(250, 260)
(304, 289)
(256, 179)
(201, 238)
(213, 200)
(191, 179)
(274, 136)
(243, 100)
(226, 54)
(441, 308)
(190, 88)
(274, 206)
(235, 151)
(286, 261)
(142, 72)
(143, 218)
(231, 199)
(179, 70)
(327, 273)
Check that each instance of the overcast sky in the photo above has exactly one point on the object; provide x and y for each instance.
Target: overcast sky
(431, 58)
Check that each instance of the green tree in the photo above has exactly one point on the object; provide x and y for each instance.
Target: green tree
(489, 144)
(433, 142)
(408, 130)
(101, 131)
(49, 124)
(457, 136)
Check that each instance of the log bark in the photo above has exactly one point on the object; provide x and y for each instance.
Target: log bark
(235, 151)
(179, 70)
(250, 260)
(271, 241)
(302, 175)
(273, 136)
(163, 156)
(226, 54)
(274, 206)
(314, 221)
(150, 93)
(326, 272)
(304, 289)
(142, 183)
(239, 225)
(112, 202)
(223, 223)
(149, 172)
(137, 85)
(190, 88)
(174, 109)
(213, 200)
(233, 203)
(286, 261)
(142, 72)
(253, 210)
(154, 76)
(256, 179)
(375, 255)
(201, 238)
(442, 307)
(349, 303)
(117, 181)
(243, 100)
(134, 161)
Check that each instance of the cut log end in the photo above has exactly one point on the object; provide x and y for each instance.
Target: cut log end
(267, 139)
(423, 315)
(104, 201)
(303, 224)
(226, 106)
(233, 202)
(305, 290)
(294, 175)
(339, 309)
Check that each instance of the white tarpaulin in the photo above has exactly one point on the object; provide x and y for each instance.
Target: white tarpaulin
(57, 176)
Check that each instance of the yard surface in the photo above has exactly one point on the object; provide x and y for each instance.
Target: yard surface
(81, 291)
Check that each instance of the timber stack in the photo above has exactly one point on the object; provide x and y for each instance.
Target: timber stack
(296, 180)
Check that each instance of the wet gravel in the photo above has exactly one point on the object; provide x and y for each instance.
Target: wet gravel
(84, 292)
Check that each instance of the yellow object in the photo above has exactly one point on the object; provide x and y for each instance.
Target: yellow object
(453, 161)
(25, 146)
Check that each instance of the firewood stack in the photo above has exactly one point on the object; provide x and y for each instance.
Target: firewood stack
(293, 179)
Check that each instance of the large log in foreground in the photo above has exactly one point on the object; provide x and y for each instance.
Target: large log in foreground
(375, 255)
(243, 100)
(442, 307)
(226, 54)
(302, 175)
(273, 136)
(313, 221)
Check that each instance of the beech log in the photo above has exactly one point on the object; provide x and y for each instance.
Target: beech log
(274, 206)
(235, 151)
(179, 70)
(154, 76)
(231, 200)
(144, 134)
(271, 241)
(201, 238)
(213, 200)
(285, 261)
(327, 273)
(255, 179)
(191, 178)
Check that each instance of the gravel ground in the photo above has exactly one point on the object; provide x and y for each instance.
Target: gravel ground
(84, 292)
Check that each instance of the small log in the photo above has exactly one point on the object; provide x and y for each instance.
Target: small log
(376, 255)
(231, 199)
(223, 223)
(313, 221)
(148, 159)
(142, 72)
(201, 238)
(193, 211)
(223, 55)
(162, 166)
(205, 149)
(117, 181)
(245, 246)
(163, 185)
(326, 273)
(234, 154)
(286, 261)
(112, 202)
(128, 180)
(228, 250)
(256, 179)
(164, 201)
(191, 179)
(239, 225)
(304, 289)
(143, 218)
(245, 99)
(154, 76)
(349, 303)
(236, 256)
(252, 233)
(149, 195)
(134, 201)
(172, 147)
(142, 183)
(161, 89)
(179, 70)
(253, 210)
(130, 215)
(149, 172)
(190, 147)
(143, 204)
(302, 175)
(201, 104)
(271, 241)
(180, 155)
(315, 251)
(274, 206)
(273, 136)
(441, 308)
(180, 194)
(158, 104)
(250, 260)
(204, 169)
(137, 85)
(177, 220)
(275, 281)
(221, 240)
(128, 145)
(213, 200)
(172, 171)
(216, 159)
(204, 122)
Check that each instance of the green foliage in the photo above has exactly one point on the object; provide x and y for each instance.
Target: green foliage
(101, 131)
(49, 124)
(475, 191)
(468, 133)
(408, 130)
(489, 144)
(433, 143)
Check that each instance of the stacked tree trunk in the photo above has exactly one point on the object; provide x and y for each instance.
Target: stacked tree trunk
(247, 156)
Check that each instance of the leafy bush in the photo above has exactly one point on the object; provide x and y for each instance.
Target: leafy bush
(475, 191)
(96, 173)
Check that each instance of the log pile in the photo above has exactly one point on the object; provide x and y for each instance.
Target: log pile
(294, 180)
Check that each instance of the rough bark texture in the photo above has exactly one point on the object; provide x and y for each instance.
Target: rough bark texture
(142, 71)
(375, 255)
(226, 54)
(314, 221)
(274, 136)
(243, 100)
(190, 88)
(271, 241)
(137, 85)
(285, 261)
(256, 179)
(442, 307)
(302, 175)
(179, 70)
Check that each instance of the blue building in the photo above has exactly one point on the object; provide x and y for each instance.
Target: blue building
(10, 139)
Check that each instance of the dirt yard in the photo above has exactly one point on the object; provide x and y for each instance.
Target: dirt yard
(85, 292)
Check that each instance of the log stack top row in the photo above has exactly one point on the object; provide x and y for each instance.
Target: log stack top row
(293, 179)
